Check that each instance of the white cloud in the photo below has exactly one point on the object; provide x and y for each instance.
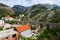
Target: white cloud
(28, 2)
(32, 2)
(46, 1)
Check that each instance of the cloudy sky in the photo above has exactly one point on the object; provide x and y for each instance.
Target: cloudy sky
(28, 2)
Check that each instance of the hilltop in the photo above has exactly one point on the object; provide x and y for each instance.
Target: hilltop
(5, 10)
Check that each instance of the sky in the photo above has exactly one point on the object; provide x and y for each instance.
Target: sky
(29, 2)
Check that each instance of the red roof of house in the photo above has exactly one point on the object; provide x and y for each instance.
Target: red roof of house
(8, 16)
(22, 28)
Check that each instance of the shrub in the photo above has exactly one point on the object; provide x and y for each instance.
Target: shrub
(1, 28)
(11, 22)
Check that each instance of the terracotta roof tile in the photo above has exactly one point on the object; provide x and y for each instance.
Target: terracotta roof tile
(22, 28)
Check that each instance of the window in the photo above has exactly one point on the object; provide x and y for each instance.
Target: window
(41, 25)
(14, 35)
(6, 37)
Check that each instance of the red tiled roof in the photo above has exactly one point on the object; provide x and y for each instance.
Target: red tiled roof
(8, 16)
(22, 28)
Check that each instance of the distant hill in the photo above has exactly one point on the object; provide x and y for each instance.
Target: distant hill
(5, 10)
(19, 9)
(43, 13)
(37, 12)
(3, 5)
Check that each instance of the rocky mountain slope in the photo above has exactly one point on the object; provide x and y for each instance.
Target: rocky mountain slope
(38, 12)
(41, 13)
(19, 9)
(5, 10)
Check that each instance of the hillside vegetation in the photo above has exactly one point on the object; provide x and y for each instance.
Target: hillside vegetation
(41, 13)
(36, 13)
(5, 10)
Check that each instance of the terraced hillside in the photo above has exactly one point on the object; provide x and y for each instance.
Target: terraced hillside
(42, 13)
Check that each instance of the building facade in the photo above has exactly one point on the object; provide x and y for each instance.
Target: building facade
(8, 35)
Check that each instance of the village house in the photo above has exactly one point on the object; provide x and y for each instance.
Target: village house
(24, 30)
(21, 15)
(1, 23)
(8, 35)
(8, 18)
(6, 25)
